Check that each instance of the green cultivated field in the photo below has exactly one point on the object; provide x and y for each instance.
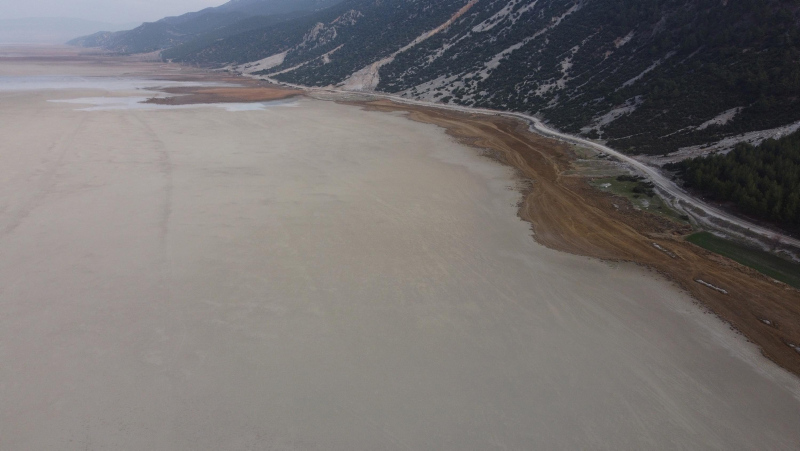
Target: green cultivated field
(764, 262)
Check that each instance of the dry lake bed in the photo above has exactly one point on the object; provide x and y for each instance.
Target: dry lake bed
(306, 275)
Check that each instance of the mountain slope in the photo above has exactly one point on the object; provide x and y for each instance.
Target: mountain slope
(649, 76)
(49, 30)
(231, 18)
(271, 7)
(358, 32)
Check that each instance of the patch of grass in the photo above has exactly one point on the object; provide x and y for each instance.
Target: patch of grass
(584, 152)
(771, 265)
(639, 192)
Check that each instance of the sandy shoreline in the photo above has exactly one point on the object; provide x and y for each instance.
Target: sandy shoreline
(569, 215)
(324, 276)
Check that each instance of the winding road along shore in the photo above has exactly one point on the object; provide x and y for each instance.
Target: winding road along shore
(678, 197)
(672, 191)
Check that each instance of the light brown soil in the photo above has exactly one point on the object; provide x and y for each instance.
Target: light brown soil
(248, 91)
(567, 214)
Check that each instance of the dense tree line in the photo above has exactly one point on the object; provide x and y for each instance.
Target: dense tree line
(762, 181)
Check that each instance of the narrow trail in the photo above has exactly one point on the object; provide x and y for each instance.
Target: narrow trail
(164, 163)
(46, 180)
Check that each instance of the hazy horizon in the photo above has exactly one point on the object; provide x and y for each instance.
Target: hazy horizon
(118, 12)
(53, 30)
(76, 20)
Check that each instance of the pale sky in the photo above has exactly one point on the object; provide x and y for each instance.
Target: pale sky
(113, 11)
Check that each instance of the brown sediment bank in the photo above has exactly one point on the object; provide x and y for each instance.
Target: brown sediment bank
(567, 214)
(247, 90)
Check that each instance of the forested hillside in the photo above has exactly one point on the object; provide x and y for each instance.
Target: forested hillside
(649, 76)
(762, 181)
